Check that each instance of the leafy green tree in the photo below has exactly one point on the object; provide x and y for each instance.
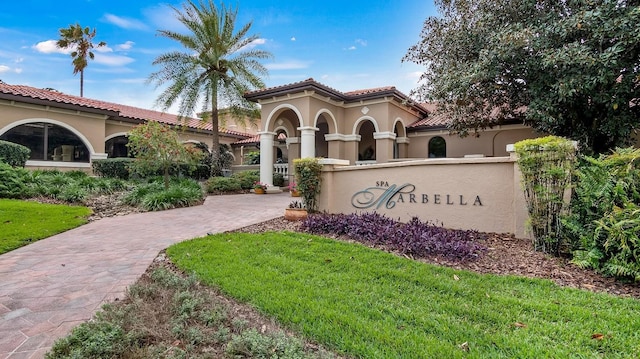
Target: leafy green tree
(569, 68)
(157, 147)
(80, 40)
(219, 65)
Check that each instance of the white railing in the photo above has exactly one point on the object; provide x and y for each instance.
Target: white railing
(281, 168)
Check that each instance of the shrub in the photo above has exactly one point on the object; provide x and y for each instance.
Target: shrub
(252, 158)
(602, 227)
(247, 178)
(222, 184)
(278, 180)
(414, 238)
(154, 197)
(546, 165)
(308, 172)
(251, 344)
(13, 183)
(14, 154)
(112, 167)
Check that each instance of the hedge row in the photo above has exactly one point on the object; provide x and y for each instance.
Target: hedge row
(13, 154)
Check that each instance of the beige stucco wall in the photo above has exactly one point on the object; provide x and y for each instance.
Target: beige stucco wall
(473, 193)
(490, 143)
(90, 126)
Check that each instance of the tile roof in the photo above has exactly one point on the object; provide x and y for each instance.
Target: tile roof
(311, 84)
(121, 111)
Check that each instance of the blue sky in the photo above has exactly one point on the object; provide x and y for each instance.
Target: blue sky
(347, 45)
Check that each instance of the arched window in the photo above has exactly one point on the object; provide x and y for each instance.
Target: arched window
(437, 147)
(117, 147)
(48, 142)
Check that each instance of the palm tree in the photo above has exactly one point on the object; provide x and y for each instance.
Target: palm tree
(80, 40)
(218, 66)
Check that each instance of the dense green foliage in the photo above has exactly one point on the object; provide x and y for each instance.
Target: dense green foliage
(26, 222)
(13, 154)
(80, 41)
(202, 76)
(247, 178)
(366, 303)
(569, 68)
(156, 147)
(252, 158)
(167, 316)
(154, 196)
(222, 185)
(112, 167)
(604, 225)
(72, 186)
(308, 174)
(278, 180)
(546, 164)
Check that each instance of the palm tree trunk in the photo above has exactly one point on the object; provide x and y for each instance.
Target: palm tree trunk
(215, 143)
(81, 83)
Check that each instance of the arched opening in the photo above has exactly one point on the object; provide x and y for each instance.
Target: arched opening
(399, 131)
(117, 147)
(367, 144)
(437, 147)
(322, 146)
(282, 153)
(48, 142)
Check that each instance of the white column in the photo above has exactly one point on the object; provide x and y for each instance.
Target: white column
(266, 157)
(307, 141)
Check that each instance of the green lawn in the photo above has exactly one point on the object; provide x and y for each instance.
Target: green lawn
(370, 304)
(23, 222)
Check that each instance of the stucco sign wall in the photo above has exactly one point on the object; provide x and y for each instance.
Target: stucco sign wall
(482, 194)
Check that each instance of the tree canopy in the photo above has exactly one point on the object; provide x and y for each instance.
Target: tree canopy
(219, 64)
(570, 68)
(80, 40)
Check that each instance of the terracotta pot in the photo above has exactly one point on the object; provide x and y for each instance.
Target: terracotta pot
(295, 214)
(295, 193)
(259, 191)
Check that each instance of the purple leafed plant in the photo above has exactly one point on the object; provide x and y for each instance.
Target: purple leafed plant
(416, 238)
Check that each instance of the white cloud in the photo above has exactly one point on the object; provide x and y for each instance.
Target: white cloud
(164, 18)
(125, 23)
(288, 65)
(50, 47)
(126, 46)
(293, 38)
(253, 44)
(4, 68)
(113, 60)
(351, 48)
(103, 49)
(18, 70)
(361, 42)
(18, 60)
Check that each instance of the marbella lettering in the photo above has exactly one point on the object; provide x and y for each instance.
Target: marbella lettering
(388, 196)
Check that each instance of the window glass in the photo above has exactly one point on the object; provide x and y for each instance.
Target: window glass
(437, 147)
(48, 142)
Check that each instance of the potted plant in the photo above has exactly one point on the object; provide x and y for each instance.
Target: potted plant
(295, 212)
(259, 188)
(293, 189)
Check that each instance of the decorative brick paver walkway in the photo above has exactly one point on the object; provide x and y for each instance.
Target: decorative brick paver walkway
(50, 286)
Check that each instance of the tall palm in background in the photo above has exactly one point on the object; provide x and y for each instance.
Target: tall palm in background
(80, 40)
(218, 66)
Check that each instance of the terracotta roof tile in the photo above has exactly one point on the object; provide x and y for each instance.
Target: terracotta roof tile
(126, 111)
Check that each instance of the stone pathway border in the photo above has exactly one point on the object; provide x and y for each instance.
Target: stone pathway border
(50, 286)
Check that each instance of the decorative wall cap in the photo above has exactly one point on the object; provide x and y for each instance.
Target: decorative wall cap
(99, 156)
(403, 140)
(384, 135)
(333, 161)
(291, 140)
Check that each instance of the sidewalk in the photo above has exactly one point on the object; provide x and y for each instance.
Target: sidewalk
(50, 286)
